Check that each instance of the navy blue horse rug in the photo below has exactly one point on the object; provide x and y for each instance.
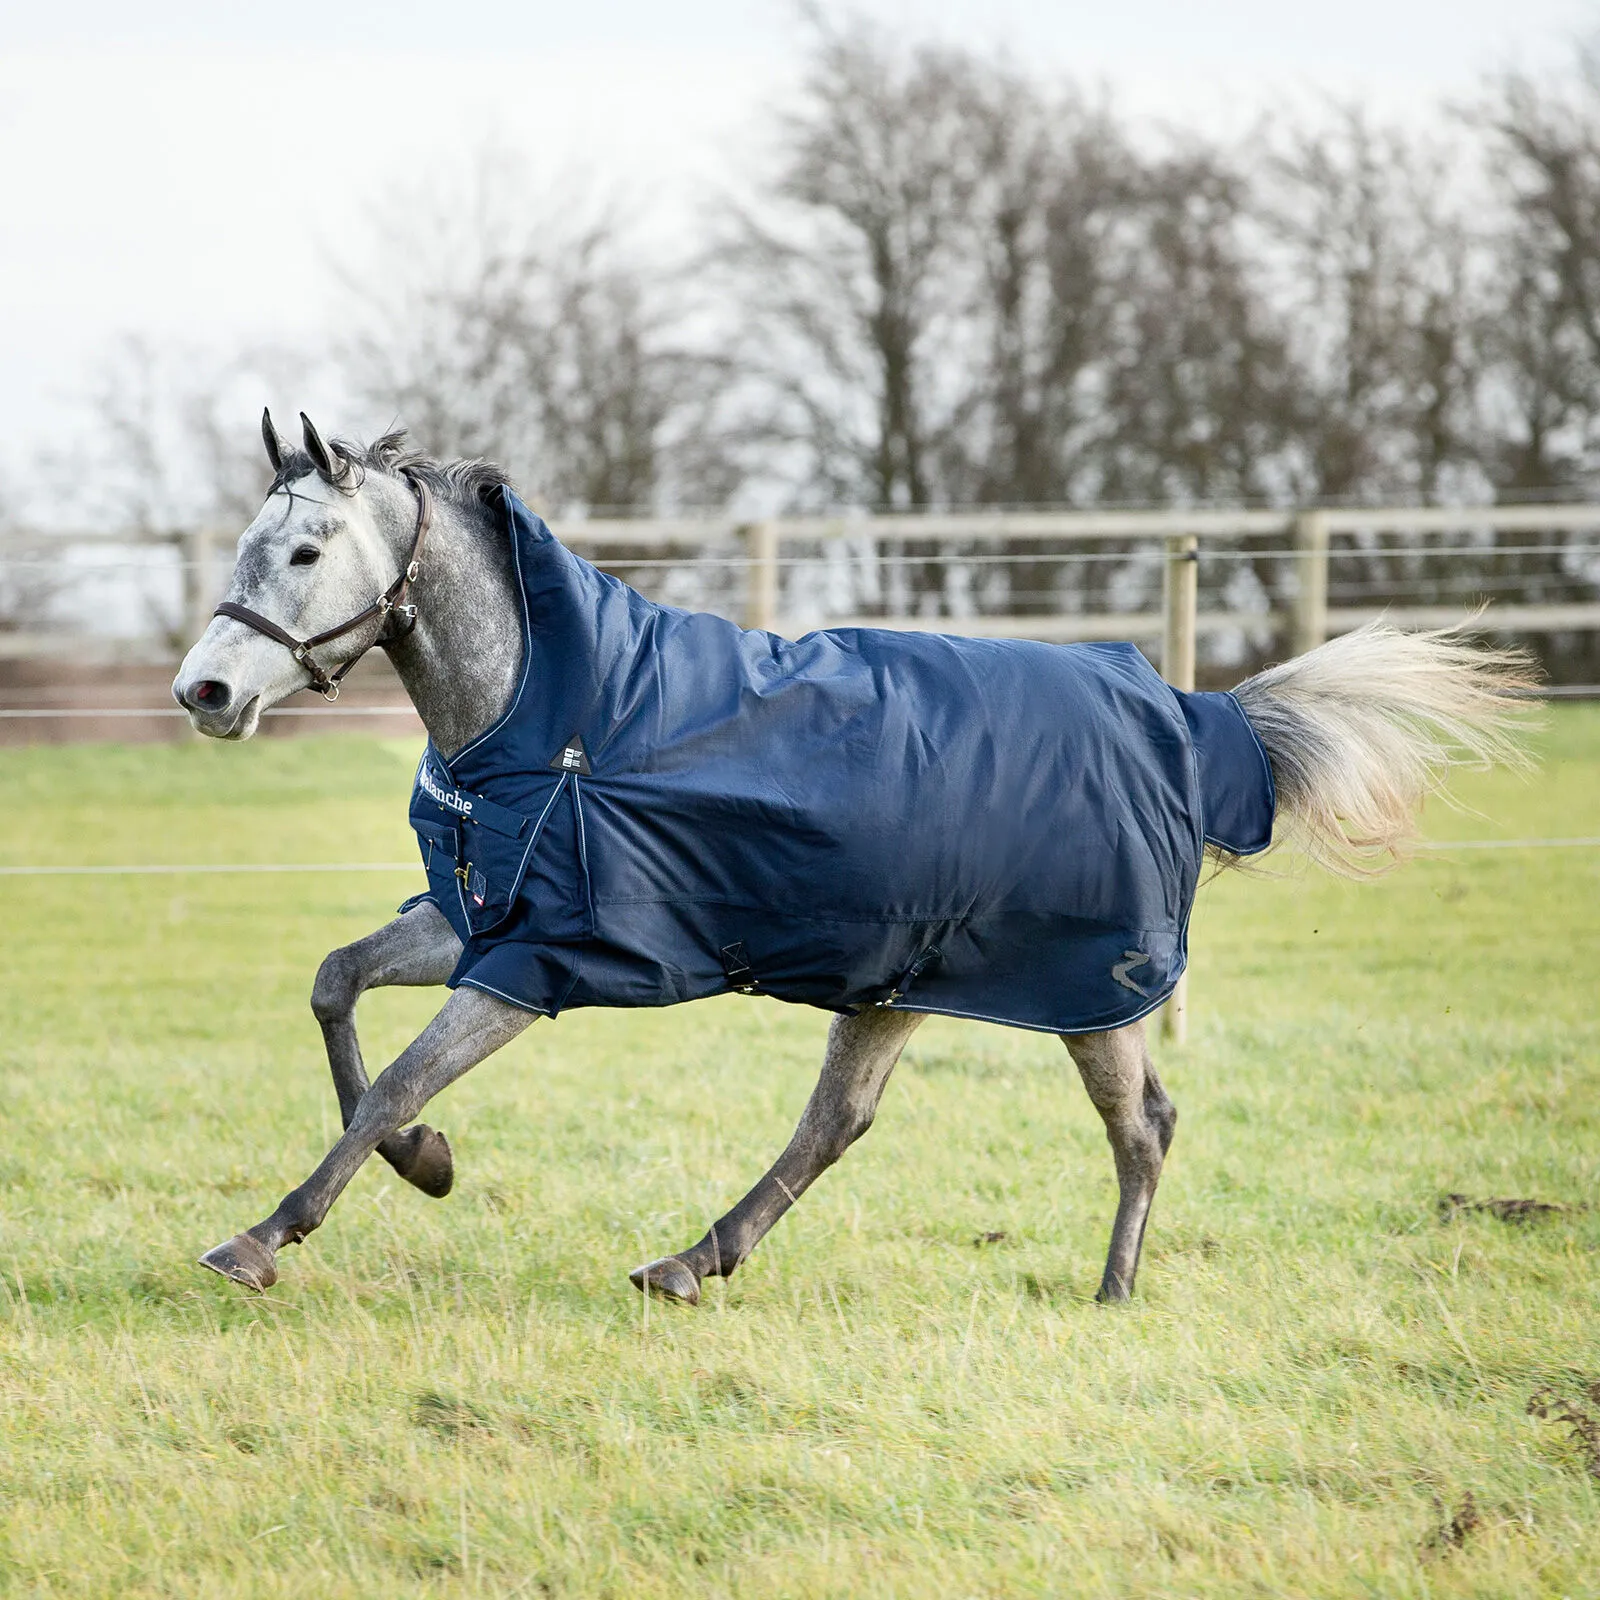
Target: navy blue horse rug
(674, 806)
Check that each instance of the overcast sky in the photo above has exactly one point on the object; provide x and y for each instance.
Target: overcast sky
(185, 168)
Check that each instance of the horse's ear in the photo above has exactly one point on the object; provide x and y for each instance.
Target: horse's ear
(271, 438)
(328, 462)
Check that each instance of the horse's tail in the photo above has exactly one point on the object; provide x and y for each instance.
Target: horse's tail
(1360, 730)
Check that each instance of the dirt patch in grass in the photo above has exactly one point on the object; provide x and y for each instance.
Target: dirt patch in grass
(1451, 1535)
(1452, 1206)
(1582, 1424)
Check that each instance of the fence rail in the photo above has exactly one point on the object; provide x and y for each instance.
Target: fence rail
(750, 561)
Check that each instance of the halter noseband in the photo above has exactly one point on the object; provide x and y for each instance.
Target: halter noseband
(394, 603)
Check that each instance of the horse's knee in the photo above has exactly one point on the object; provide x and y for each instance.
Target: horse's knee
(337, 987)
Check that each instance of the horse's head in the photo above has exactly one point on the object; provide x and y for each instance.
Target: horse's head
(330, 543)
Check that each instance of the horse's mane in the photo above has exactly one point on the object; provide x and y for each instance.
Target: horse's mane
(468, 482)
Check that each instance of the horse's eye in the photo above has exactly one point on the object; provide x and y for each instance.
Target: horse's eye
(304, 556)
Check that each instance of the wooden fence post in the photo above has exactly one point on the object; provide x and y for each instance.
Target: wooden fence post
(194, 550)
(1180, 596)
(761, 582)
(1180, 600)
(1311, 597)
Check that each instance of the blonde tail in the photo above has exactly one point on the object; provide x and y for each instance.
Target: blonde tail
(1360, 730)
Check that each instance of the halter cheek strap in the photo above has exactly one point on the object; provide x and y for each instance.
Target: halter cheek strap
(394, 606)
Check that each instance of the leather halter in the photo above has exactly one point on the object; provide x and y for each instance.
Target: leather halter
(393, 605)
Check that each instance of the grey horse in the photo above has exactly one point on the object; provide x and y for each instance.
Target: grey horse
(1357, 732)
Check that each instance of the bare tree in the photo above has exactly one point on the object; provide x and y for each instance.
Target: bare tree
(1549, 135)
(964, 286)
(1199, 386)
(174, 448)
(177, 442)
(851, 273)
(491, 324)
(30, 578)
(967, 287)
(1377, 275)
(1543, 385)
(1544, 333)
(1054, 181)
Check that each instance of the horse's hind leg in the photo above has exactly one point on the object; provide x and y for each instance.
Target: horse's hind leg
(862, 1051)
(1139, 1118)
(417, 949)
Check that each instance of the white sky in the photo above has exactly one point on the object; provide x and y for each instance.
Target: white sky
(184, 169)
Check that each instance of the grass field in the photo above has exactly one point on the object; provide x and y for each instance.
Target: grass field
(466, 1397)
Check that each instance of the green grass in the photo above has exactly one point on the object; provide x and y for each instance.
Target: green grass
(466, 1397)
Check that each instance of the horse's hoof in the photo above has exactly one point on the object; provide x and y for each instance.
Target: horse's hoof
(423, 1159)
(244, 1259)
(669, 1278)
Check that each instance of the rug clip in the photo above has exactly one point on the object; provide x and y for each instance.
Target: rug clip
(736, 964)
(912, 973)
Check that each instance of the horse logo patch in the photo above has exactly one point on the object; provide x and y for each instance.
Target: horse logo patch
(1121, 969)
(571, 757)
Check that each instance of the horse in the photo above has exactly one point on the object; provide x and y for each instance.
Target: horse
(1078, 925)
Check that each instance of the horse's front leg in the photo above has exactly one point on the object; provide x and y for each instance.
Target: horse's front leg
(470, 1026)
(417, 949)
(862, 1051)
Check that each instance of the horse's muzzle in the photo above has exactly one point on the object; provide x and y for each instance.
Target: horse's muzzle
(214, 710)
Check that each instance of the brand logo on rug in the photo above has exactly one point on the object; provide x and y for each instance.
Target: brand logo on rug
(1121, 969)
(477, 886)
(571, 757)
(451, 798)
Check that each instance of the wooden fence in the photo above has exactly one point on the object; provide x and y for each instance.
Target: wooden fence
(1188, 536)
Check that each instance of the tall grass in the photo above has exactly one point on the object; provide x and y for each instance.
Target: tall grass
(466, 1397)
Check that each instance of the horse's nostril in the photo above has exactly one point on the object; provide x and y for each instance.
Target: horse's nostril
(207, 695)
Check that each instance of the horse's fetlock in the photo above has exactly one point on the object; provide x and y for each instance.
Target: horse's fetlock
(292, 1221)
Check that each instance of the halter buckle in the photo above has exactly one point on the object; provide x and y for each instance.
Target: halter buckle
(413, 572)
(407, 614)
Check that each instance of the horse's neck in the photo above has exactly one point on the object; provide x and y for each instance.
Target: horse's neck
(461, 662)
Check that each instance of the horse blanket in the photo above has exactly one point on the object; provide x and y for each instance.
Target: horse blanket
(674, 806)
